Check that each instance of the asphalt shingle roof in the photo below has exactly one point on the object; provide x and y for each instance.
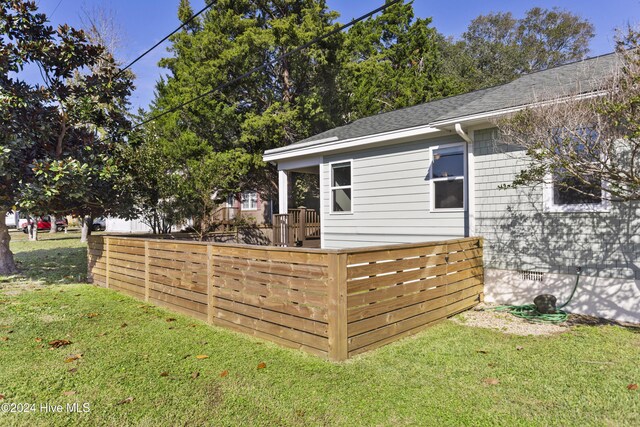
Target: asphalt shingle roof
(570, 79)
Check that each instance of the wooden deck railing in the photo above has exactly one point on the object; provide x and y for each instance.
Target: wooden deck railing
(298, 225)
(332, 303)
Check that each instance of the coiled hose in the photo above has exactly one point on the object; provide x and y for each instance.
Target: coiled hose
(530, 312)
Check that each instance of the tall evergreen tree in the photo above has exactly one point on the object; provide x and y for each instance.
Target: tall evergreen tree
(215, 145)
(391, 61)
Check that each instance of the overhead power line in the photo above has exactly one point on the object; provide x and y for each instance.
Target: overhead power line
(55, 9)
(185, 23)
(266, 64)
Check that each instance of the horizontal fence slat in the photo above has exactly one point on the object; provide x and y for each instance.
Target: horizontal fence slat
(463, 255)
(269, 337)
(270, 291)
(192, 313)
(169, 256)
(396, 253)
(377, 282)
(181, 275)
(177, 301)
(297, 270)
(393, 331)
(126, 243)
(314, 313)
(135, 267)
(393, 266)
(134, 281)
(303, 338)
(125, 257)
(173, 246)
(176, 282)
(358, 327)
(179, 292)
(293, 256)
(306, 325)
(122, 283)
(315, 284)
(363, 312)
(182, 267)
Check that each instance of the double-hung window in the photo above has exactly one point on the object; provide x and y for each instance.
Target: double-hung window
(341, 187)
(249, 201)
(447, 177)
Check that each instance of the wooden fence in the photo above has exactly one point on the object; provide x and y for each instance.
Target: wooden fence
(332, 303)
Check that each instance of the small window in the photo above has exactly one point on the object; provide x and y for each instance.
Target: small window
(570, 194)
(341, 187)
(572, 191)
(447, 178)
(249, 201)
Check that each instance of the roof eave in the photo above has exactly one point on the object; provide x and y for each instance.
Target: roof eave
(331, 145)
(320, 147)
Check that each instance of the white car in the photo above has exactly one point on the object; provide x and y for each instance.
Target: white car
(12, 219)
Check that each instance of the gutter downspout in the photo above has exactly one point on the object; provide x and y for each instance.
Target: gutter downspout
(469, 194)
(462, 133)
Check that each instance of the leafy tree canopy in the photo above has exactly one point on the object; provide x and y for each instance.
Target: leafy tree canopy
(584, 145)
(497, 47)
(58, 138)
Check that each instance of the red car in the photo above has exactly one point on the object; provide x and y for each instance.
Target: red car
(44, 223)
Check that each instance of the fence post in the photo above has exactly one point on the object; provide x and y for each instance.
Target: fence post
(106, 280)
(290, 229)
(481, 247)
(337, 307)
(302, 225)
(210, 295)
(146, 270)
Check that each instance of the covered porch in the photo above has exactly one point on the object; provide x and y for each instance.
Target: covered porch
(298, 221)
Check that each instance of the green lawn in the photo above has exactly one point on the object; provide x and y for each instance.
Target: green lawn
(129, 349)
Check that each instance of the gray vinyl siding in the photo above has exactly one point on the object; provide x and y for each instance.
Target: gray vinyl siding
(520, 235)
(390, 198)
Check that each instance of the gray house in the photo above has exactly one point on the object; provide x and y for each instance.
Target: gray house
(432, 171)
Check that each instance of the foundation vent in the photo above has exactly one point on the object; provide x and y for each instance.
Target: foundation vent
(536, 276)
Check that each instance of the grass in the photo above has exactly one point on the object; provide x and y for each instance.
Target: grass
(442, 376)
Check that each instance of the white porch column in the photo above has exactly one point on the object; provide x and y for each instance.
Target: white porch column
(283, 191)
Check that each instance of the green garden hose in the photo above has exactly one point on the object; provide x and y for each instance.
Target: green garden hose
(530, 312)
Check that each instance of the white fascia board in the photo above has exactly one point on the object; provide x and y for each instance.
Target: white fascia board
(299, 145)
(299, 163)
(298, 150)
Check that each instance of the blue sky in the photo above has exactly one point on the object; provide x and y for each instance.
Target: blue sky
(145, 22)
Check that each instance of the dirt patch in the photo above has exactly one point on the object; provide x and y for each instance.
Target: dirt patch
(483, 316)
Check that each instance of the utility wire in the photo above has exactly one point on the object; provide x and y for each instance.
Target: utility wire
(185, 23)
(266, 64)
(54, 9)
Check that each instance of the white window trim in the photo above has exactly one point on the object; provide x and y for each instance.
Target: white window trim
(242, 201)
(331, 187)
(549, 206)
(432, 195)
